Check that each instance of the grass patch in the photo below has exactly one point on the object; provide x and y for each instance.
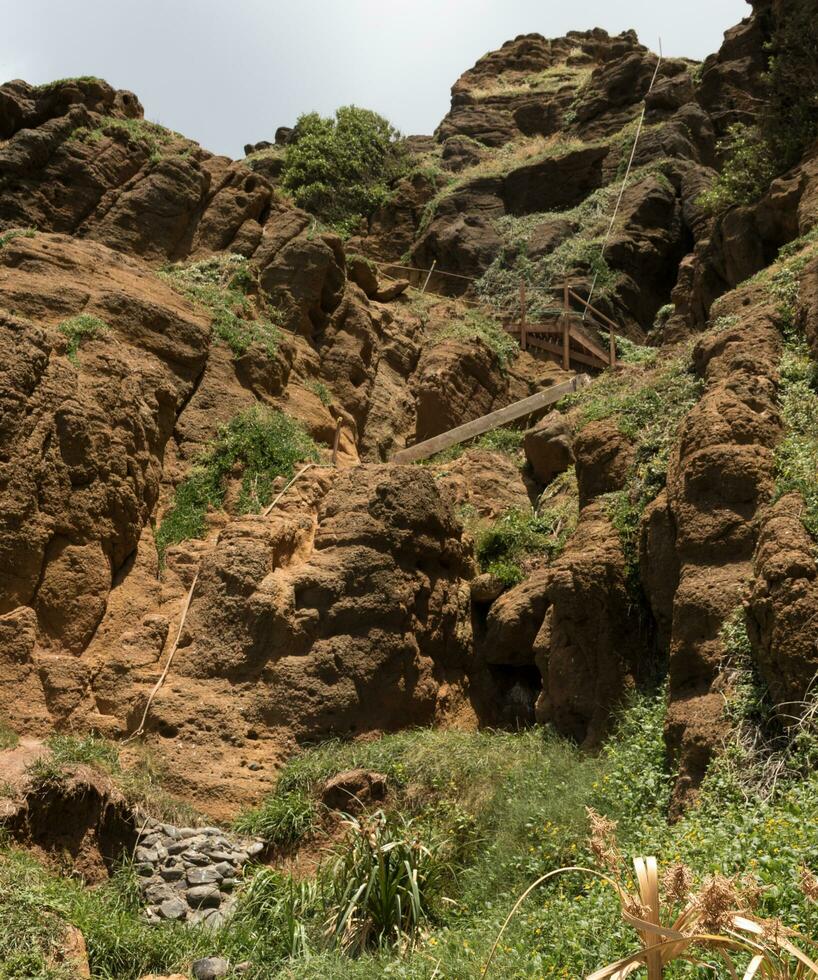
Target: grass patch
(502, 547)
(477, 325)
(266, 444)
(220, 284)
(8, 737)
(152, 135)
(9, 236)
(67, 751)
(281, 819)
(796, 456)
(320, 390)
(79, 328)
(522, 797)
(49, 86)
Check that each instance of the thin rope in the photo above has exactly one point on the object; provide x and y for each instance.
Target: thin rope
(163, 676)
(140, 730)
(624, 182)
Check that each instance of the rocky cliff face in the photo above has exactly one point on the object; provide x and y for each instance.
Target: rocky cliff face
(151, 293)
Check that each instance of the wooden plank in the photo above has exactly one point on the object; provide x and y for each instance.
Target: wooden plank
(556, 350)
(589, 345)
(488, 422)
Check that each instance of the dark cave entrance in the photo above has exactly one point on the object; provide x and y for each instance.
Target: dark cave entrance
(514, 689)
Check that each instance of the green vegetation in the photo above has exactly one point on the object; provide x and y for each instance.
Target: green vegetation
(9, 236)
(796, 456)
(77, 328)
(221, 284)
(495, 811)
(507, 542)
(320, 390)
(265, 444)
(649, 416)
(478, 325)
(755, 155)
(8, 737)
(747, 171)
(283, 818)
(790, 117)
(508, 441)
(384, 882)
(517, 804)
(340, 169)
(154, 136)
(85, 79)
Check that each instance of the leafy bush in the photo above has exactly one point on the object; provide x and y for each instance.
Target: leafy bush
(281, 819)
(320, 390)
(384, 882)
(266, 444)
(747, 171)
(339, 169)
(77, 328)
(220, 284)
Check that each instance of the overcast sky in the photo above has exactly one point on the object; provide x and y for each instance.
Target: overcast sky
(228, 72)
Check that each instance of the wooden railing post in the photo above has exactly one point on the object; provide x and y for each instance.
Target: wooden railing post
(612, 342)
(566, 329)
(337, 441)
(523, 339)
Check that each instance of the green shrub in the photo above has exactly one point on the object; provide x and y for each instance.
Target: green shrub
(746, 173)
(339, 169)
(77, 328)
(320, 390)
(281, 819)
(265, 443)
(220, 284)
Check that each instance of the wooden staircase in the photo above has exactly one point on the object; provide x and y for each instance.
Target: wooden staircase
(567, 335)
(493, 420)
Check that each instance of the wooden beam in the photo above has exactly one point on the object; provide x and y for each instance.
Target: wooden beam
(493, 420)
(556, 349)
(589, 345)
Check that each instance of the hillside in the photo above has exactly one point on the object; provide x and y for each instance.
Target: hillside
(229, 615)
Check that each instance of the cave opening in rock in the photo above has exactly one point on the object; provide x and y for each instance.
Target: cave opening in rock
(516, 688)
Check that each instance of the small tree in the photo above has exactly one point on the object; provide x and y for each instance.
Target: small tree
(339, 169)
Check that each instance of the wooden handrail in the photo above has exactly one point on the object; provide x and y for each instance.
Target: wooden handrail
(593, 309)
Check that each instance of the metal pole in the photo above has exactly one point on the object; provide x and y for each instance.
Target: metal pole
(434, 263)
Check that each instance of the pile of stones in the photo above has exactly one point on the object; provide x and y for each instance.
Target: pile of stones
(189, 874)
